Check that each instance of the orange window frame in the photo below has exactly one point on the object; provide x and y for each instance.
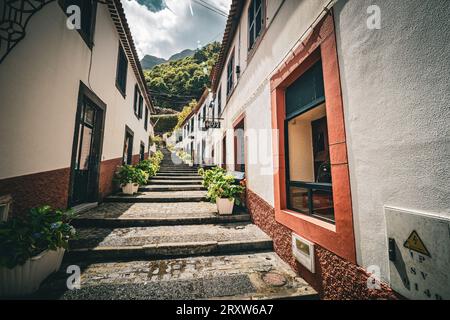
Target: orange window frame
(338, 238)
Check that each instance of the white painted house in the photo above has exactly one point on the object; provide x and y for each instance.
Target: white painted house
(344, 108)
(73, 103)
(197, 134)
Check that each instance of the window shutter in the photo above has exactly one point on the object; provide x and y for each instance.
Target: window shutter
(306, 92)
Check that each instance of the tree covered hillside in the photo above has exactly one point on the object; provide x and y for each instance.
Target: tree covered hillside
(174, 84)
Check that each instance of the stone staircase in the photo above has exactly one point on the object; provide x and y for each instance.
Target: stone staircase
(168, 242)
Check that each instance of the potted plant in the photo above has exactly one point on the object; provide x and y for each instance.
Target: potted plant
(31, 248)
(225, 193)
(130, 178)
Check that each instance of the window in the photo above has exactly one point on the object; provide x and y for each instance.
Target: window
(137, 94)
(308, 169)
(239, 146)
(88, 9)
(255, 21)
(146, 119)
(142, 152)
(122, 69)
(224, 152)
(219, 101)
(141, 107)
(128, 147)
(230, 69)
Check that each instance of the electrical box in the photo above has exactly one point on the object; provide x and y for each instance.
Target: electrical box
(303, 251)
(419, 254)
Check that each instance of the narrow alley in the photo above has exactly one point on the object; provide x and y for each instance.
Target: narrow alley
(167, 242)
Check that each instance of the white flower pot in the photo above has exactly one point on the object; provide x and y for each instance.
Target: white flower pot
(26, 279)
(128, 188)
(225, 206)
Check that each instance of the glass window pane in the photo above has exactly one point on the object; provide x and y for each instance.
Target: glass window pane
(89, 115)
(258, 23)
(304, 161)
(323, 205)
(85, 150)
(298, 199)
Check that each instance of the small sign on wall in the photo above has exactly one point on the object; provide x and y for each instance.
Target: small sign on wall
(419, 254)
(303, 251)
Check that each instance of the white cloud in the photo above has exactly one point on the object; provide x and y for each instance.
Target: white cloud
(169, 31)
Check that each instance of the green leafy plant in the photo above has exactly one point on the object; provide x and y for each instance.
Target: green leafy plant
(129, 174)
(221, 185)
(24, 237)
(224, 187)
(210, 175)
(151, 165)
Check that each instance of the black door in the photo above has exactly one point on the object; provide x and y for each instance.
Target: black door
(87, 158)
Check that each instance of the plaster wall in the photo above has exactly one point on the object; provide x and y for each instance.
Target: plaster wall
(395, 90)
(39, 84)
(284, 26)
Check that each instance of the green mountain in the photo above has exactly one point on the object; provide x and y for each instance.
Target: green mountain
(149, 62)
(174, 84)
(182, 54)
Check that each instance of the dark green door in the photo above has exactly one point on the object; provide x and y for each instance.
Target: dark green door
(87, 154)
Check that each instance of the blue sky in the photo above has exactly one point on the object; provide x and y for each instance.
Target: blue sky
(165, 27)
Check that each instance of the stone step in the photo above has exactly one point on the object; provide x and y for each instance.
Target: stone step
(162, 196)
(157, 181)
(121, 215)
(188, 187)
(107, 244)
(179, 177)
(259, 276)
(177, 174)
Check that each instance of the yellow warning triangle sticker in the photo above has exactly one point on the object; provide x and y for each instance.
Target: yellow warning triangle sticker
(416, 244)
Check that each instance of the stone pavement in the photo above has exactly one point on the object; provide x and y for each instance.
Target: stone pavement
(248, 276)
(167, 242)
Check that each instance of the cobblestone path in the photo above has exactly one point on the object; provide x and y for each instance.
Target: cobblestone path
(168, 242)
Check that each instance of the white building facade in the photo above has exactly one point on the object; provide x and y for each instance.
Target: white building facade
(74, 104)
(342, 105)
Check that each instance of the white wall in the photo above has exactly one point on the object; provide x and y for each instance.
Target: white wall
(252, 94)
(39, 84)
(396, 93)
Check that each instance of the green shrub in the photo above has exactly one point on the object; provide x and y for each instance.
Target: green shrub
(129, 174)
(24, 237)
(210, 175)
(151, 165)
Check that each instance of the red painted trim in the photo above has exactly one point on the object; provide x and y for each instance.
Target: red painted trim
(338, 238)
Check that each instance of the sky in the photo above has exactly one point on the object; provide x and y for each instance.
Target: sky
(164, 27)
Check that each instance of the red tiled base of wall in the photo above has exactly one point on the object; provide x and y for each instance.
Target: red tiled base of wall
(51, 187)
(335, 278)
(107, 171)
